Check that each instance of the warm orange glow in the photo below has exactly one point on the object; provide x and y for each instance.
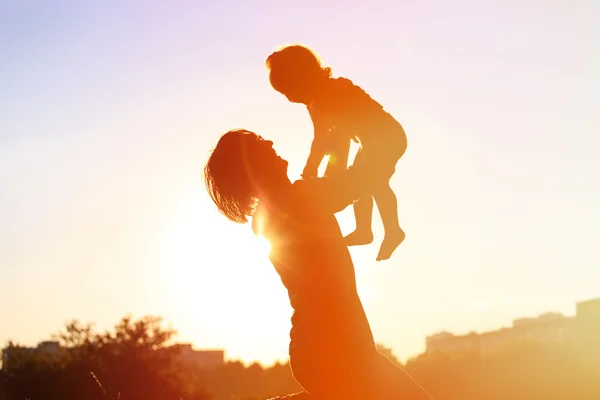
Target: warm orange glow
(230, 280)
(261, 247)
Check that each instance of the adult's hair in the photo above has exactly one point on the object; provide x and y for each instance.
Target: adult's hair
(229, 178)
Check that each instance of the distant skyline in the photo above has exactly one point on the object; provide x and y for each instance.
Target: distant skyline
(108, 111)
(199, 347)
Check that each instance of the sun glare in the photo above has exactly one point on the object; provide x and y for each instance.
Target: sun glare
(217, 283)
(219, 272)
(261, 246)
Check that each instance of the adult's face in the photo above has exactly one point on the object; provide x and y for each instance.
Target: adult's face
(264, 162)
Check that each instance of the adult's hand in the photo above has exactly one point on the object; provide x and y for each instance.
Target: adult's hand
(310, 172)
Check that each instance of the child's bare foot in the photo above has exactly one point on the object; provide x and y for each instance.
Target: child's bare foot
(391, 241)
(359, 238)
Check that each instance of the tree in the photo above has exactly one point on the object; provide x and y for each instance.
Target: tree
(388, 353)
(133, 362)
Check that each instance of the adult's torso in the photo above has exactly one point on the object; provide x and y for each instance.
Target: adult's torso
(310, 256)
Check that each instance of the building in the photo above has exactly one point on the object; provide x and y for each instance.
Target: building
(447, 342)
(549, 328)
(200, 358)
(490, 342)
(588, 328)
(580, 332)
(11, 352)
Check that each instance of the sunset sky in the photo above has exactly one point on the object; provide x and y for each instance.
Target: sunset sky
(108, 111)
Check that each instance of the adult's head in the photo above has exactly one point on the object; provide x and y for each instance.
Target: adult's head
(243, 168)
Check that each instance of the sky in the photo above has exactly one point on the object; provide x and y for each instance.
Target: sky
(108, 112)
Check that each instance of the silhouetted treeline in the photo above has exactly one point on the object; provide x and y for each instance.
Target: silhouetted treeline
(135, 362)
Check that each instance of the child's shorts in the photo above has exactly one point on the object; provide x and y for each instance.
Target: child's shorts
(380, 161)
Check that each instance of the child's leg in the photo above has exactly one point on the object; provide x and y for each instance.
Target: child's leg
(363, 214)
(388, 209)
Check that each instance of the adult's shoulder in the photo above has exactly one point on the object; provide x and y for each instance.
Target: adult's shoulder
(304, 189)
(301, 186)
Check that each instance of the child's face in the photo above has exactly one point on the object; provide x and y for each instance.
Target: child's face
(298, 94)
(296, 86)
(294, 98)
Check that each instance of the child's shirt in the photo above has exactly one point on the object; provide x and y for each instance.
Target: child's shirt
(343, 106)
(342, 111)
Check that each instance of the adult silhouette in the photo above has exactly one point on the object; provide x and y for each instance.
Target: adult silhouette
(332, 350)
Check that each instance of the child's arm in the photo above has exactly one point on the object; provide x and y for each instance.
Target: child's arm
(332, 143)
(335, 193)
(338, 148)
(318, 147)
(317, 152)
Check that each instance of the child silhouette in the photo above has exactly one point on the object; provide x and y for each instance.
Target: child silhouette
(340, 112)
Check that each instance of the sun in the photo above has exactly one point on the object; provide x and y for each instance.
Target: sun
(217, 284)
(261, 246)
(215, 275)
(199, 243)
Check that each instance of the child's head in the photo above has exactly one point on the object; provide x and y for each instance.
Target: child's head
(296, 72)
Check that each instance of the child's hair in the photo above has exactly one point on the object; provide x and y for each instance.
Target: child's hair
(294, 67)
